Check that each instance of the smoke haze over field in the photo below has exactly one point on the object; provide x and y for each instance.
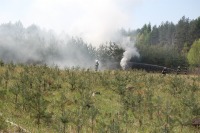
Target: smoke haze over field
(33, 45)
(36, 46)
(96, 21)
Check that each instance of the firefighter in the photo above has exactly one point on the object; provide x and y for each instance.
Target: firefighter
(185, 70)
(164, 71)
(178, 70)
(96, 65)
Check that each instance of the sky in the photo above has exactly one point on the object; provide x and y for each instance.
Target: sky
(95, 20)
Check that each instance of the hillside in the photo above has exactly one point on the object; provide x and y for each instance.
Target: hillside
(51, 100)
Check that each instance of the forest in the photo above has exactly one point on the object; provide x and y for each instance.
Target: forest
(168, 44)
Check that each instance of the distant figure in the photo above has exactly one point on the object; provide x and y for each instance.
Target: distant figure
(96, 65)
(185, 70)
(164, 71)
(178, 70)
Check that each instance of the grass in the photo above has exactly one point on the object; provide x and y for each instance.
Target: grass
(127, 101)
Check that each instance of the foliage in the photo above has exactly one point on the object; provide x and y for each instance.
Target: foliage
(167, 33)
(194, 54)
(161, 55)
(78, 100)
(110, 53)
(177, 37)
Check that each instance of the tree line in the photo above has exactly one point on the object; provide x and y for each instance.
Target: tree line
(181, 35)
(168, 44)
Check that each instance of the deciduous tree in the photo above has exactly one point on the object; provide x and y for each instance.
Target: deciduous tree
(194, 54)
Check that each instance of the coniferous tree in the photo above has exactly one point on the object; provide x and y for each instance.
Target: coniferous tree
(182, 34)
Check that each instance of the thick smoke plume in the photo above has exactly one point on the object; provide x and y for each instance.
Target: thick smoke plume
(130, 52)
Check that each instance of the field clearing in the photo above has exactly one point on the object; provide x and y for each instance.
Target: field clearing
(43, 99)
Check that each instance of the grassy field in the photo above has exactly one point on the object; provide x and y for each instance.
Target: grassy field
(49, 100)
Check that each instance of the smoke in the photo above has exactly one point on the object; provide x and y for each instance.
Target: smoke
(96, 21)
(33, 45)
(130, 52)
(100, 22)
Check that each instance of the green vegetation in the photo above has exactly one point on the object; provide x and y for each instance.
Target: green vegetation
(168, 42)
(194, 54)
(50, 100)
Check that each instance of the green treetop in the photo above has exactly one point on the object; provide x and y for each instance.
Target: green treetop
(194, 54)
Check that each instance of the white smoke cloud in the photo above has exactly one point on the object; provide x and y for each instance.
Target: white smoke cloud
(130, 52)
(33, 45)
(96, 21)
(100, 22)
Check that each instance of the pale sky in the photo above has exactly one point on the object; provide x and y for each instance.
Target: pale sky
(95, 20)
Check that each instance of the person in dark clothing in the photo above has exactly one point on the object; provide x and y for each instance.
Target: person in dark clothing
(178, 71)
(185, 70)
(164, 71)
